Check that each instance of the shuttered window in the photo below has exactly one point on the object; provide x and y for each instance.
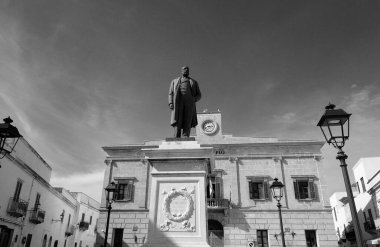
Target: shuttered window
(258, 188)
(124, 191)
(305, 188)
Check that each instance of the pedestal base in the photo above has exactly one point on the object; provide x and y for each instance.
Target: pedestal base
(177, 210)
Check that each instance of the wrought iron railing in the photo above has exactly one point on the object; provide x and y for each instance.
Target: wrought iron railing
(218, 203)
(17, 207)
(37, 216)
(69, 230)
(369, 226)
(83, 225)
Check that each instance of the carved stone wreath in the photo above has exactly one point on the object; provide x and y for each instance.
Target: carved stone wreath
(180, 216)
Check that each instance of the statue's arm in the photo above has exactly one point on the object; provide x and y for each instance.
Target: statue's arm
(171, 94)
(198, 94)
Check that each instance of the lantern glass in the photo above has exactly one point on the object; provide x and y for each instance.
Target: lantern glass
(111, 188)
(335, 126)
(9, 136)
(276, 188)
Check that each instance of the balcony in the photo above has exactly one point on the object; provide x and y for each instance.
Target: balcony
(83, 225)
(17, 208)
(37, 216)
(369, 226)
(69, 231)
(218, 204)
(213, 203)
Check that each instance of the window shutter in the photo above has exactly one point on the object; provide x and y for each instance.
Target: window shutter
(266, 190)
(115, 193)
(217, 191)
(312, 190)
(128, 191)
(296, 191)
(250, 190)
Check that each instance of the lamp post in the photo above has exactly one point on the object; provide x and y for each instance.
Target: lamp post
(335, 126)
(277, 192)
(110, 189)
(8, 131)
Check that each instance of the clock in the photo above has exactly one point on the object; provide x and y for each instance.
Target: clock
(209, 127)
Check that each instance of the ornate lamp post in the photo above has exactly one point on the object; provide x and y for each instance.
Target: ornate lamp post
(109, 189)
(335, 126)
(8, 131)
(277, 193)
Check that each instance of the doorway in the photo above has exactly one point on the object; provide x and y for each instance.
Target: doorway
(215, 233)
(5, 236)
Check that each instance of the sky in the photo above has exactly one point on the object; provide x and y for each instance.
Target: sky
(79, 75)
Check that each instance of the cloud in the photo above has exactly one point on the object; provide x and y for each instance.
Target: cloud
(90, 183)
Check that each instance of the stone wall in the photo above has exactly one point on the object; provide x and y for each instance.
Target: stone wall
(134, 223)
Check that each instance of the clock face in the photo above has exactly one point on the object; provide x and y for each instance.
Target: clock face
(209, 127)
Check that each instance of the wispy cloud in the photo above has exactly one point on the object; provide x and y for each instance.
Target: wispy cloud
(88, 183)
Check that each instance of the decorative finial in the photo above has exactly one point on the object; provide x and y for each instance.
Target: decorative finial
(8, 120)
(330, 106)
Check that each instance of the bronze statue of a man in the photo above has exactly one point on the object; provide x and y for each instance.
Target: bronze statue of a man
(183, 93)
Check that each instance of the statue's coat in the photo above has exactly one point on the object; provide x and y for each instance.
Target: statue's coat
(173, 99)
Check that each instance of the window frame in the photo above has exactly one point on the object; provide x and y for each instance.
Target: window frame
(312, 189)
(364, 189)
(126, 186)
(262, 238)
(265, 191)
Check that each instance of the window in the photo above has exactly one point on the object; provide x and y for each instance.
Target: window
(357, 185)
(16, 195)
(363, 185)
(37, 202)
(304, 188)
(311, 238)
(215, 191)
(83, 215)
(68, 222)
(370, 216)
(50, 239)
(118, 237)
(262, 238)
(28, 240)
(258, 188)
(90, 220)
(44, 241)
(124, 190)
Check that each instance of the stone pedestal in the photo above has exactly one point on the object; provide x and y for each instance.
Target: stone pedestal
(177, 209)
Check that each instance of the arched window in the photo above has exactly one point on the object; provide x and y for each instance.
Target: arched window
(50, 239)
(56, 243)
(44, 241)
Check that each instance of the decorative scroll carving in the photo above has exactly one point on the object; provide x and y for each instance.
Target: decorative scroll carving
(180, 217)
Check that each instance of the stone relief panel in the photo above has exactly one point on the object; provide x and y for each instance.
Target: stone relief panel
(177, 207)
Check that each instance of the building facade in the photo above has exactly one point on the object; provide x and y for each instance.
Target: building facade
(366, 192)
(32, 212)
(240, 207)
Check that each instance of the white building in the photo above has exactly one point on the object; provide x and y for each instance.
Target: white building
(366, 186)
(32, 212)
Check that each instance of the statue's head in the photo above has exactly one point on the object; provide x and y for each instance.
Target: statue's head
(185, 71)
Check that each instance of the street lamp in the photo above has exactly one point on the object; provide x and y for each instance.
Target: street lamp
(8, 131)
(277, 192)
(110, 189)
(335, 126)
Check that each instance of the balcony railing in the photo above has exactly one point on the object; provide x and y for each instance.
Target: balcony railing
(69, 231)
(17, 208)
(83, 225)
(369, 226)
(214, 203)
(37, 216)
